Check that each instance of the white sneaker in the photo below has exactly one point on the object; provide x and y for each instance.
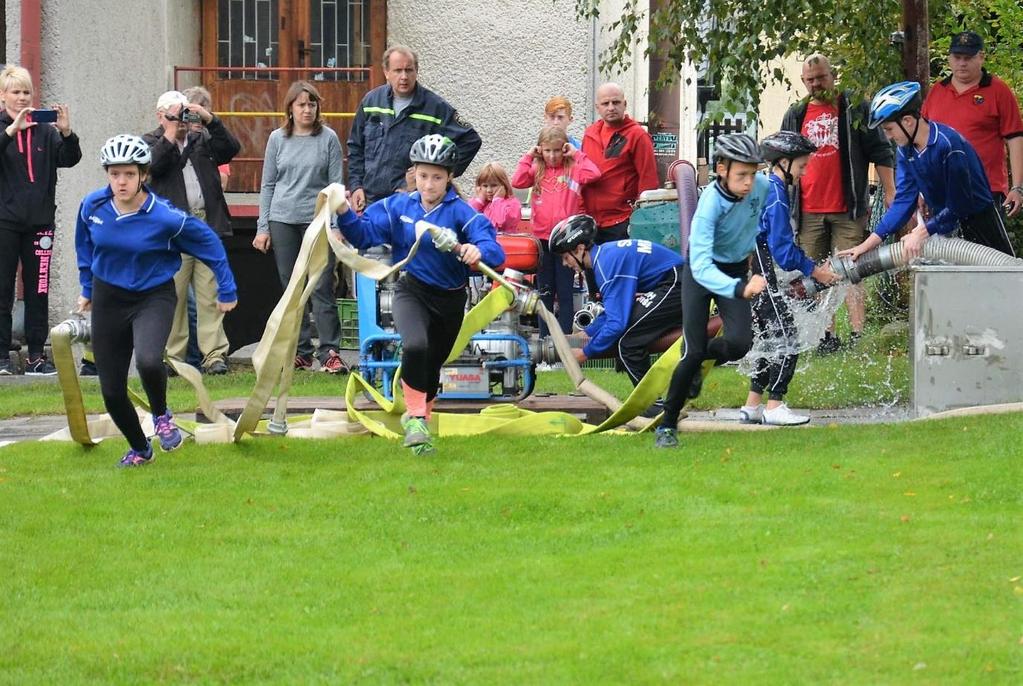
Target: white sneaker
(751, 415)
(783, 416)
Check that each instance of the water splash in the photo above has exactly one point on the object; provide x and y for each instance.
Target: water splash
(868, 374)
(811, 317)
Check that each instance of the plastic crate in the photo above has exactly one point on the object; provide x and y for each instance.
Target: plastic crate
(658, 223)
(348, 314)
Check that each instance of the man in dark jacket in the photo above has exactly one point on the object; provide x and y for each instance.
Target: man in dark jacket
(832, 202)
(389, 120)
(188, 147)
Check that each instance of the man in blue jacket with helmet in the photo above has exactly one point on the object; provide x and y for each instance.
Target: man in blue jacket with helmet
(933, 160)
(640, 286)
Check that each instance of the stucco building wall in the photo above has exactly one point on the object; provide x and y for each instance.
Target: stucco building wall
(498, 64)
(777, 98)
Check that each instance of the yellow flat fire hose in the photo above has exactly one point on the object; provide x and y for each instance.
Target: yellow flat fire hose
(274, 356)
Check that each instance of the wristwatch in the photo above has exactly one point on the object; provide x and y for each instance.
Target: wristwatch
(1018, 189)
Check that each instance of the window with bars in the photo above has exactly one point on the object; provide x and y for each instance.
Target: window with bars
(339, 37)
(247, 37)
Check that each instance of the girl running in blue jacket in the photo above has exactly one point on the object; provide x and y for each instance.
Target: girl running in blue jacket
(129, 243)
(429, 300)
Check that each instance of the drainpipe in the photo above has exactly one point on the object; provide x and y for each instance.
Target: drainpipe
(594, 70)
(31, 41)
(664, 104)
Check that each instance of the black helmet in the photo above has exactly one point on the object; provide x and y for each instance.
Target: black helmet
(434, 149)
(579, 229)
(786, 145)
(737, 147)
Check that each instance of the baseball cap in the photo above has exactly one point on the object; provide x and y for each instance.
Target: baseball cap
(171, 98)
(966, 43)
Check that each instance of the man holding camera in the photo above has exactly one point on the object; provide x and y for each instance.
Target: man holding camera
(187, 149)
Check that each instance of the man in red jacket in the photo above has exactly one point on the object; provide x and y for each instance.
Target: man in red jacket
(623, 151)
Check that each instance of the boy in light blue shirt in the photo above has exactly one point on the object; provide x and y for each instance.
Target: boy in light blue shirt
(723, 235)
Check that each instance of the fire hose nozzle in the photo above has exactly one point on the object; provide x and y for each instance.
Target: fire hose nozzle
(806, 287)
(77, 328)
(586, 314)
(845, 268)
(277, 428)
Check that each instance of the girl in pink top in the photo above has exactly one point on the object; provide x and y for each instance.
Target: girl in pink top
(557, 172)
(496, 199)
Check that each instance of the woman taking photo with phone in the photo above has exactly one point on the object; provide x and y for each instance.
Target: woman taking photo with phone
(30, 153)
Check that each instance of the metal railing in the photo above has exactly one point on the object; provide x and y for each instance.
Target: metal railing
(367, 71)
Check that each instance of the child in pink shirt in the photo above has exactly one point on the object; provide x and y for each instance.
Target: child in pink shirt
(557, 172)
(496, 199)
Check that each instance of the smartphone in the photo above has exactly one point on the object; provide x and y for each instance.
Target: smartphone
(43, 116)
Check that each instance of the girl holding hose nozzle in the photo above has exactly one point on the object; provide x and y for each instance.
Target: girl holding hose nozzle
(773, 324)
(429, 300)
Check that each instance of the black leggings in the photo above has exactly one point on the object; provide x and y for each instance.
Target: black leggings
(777, 337)
(124, 322)
(654, 314)
(34, 248)
(736, 341)
(988, 228)
(428, 320)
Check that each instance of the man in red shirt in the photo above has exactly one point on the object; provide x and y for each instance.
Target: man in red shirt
(983, 109)
(833, 191)
(623, 151)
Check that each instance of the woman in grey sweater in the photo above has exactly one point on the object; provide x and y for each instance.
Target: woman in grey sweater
(302, 157)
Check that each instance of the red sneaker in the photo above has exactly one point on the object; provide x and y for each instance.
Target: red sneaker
(334, 364)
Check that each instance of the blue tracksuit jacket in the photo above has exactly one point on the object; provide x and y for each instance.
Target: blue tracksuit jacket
(950, 176)
(776, 227)
(142, 250)
(622, 269)
(393, 219)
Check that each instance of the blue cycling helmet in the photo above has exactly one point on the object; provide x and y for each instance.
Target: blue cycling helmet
(892, 101)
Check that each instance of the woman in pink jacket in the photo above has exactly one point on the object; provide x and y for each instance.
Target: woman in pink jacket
(496, 199)
(557, 173)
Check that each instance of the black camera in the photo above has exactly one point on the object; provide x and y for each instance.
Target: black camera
(185, 116)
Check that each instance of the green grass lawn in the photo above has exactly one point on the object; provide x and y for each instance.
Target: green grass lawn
(857, 554)
(839, 554)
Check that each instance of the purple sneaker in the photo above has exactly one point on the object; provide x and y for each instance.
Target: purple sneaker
(170, 437)
(134, 458)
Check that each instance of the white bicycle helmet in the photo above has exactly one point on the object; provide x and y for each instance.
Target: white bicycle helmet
(125, 149)
(435, 149)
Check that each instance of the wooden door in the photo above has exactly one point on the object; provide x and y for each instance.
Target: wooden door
(253, 50)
